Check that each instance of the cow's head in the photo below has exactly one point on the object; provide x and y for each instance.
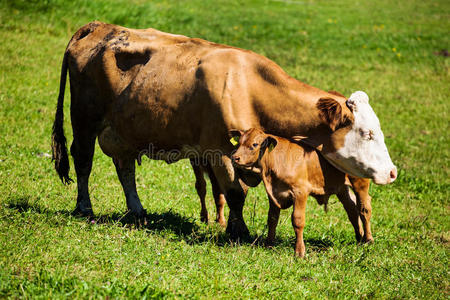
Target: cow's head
(356, 144)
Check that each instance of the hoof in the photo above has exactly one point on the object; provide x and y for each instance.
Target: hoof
(137, 214)
(141, 222)
(268, 243)
(138, 218)
(237, 230)
(204, 218)
(359, 238)
(86, 212)
(222, 222)
(367, 240)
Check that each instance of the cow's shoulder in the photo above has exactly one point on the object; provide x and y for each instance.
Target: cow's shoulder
(244, 63)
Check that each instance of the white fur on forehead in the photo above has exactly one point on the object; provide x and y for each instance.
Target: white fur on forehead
(359, 97)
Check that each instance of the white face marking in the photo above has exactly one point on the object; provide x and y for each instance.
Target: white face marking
(364, 153)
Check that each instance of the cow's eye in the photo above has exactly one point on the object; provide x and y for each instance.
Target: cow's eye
(367, 134)
(255, 145)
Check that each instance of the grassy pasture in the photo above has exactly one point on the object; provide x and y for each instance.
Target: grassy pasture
(390, 49)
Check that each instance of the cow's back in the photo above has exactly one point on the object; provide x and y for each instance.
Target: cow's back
(150, 83)
(174, 91)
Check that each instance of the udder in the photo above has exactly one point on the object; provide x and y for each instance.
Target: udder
(113, 145)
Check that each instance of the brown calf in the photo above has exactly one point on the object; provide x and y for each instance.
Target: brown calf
(291, 172)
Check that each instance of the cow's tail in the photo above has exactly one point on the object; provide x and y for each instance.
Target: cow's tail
(59, 148)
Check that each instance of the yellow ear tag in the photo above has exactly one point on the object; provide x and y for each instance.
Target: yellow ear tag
(271, 146)
(234, 140)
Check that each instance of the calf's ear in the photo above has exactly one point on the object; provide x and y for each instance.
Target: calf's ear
(330, 111)
(270, 143)
(235, 135)
(235, 132)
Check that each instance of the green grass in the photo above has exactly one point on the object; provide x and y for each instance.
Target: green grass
(384, 48)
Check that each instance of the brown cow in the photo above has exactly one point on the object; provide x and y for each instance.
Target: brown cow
(146, 91)
(291, 172)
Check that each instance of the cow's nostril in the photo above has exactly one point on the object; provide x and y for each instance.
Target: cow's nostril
(393, 174)
(235, 158)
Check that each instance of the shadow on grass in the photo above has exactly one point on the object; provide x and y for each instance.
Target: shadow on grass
(319, 245)
(183, 228)
(167, 221)
(21, 204)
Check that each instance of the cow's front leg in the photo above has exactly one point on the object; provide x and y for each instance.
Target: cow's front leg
(236, 227)
(126, 172)
(351, 210)
(235, 193)
(363, 202)
(272, 222)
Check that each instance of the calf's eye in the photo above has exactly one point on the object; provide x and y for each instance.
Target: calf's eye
(255, 145)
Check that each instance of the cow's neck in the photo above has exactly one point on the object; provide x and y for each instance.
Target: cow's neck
(291, 111)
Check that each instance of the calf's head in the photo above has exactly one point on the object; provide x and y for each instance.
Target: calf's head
(356, 143)
(252, 145)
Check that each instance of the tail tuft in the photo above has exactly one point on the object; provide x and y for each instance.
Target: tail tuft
(59, 148)
(59, 154)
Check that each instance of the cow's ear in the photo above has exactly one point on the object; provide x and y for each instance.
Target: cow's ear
(357, 98)
(298, 138)
(270, 143)
(307, 141)
(235, 135)
(330, 111)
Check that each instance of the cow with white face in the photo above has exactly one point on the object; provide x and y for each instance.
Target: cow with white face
(363, 153)
(133, 88)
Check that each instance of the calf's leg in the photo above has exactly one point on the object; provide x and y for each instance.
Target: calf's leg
(298, 222)
(219, 198)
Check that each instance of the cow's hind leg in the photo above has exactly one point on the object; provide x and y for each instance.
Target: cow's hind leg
(86, 113)
(200, 186)
(82, 151)
(126, 169)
